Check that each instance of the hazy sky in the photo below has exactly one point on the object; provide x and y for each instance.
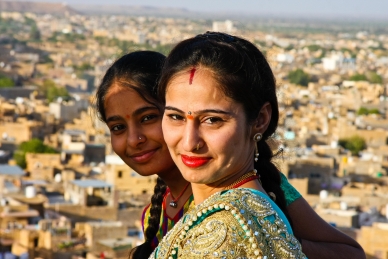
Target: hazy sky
(346, 8)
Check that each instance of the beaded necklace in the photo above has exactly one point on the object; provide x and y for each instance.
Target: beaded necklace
(251, 175)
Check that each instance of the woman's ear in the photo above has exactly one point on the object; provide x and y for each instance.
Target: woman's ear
(263, 119)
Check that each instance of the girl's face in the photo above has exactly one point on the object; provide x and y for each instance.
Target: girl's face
(198, 114)
(136, 132)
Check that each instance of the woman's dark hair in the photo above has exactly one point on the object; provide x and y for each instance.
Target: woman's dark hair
(244, 75)
(139, 71)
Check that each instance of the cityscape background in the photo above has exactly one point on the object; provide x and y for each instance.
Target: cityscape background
(65, 194)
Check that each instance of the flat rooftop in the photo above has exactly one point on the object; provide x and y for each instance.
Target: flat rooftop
(11, 170)
(91, 183)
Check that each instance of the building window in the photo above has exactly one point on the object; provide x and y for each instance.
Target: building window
(120, 174)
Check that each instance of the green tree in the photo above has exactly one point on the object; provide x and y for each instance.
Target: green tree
(313, 48)
(366, 111)
(35, 33)
(363, 111)
(374, 111)
(354, 144)
(6, 81)
(32, 146)
(52, 91)
(375, 78)
(358, 77)
(55, 92)
(299, 77)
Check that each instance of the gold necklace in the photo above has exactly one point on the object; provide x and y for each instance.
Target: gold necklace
(241, 179)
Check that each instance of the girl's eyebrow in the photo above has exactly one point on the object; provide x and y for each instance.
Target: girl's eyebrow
(137, 112)
(143, 109)
(113, 118)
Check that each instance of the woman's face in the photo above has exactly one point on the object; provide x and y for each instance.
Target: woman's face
(136, 132)
(198, 113)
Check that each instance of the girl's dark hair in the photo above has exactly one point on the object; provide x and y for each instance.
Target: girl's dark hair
(139, 71)
(145, 249)
(244, 75)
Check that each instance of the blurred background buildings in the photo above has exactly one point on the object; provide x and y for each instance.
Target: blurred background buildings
(65, 194)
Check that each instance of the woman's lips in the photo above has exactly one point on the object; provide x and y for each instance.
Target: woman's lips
(194, 161)
(144, 156)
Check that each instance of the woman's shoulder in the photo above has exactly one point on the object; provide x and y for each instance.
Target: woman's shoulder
(235, 223)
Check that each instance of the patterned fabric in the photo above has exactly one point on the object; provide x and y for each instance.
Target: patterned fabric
(166, 223)
(239, 223)
(290, 193)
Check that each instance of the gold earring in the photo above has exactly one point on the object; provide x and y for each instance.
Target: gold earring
(257, 138)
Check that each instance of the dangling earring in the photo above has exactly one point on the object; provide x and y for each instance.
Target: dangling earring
(257, 138)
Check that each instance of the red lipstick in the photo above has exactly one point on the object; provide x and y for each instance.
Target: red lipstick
(194, 161)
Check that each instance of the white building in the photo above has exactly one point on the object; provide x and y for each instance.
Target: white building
(225, 26)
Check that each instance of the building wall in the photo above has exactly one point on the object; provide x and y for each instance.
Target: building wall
(316, 170)
(94, 153)
(38, 161)
(20, 131)
(339, 217)
(64, 111)
(104, 230)
(125, 179)
(374, 240)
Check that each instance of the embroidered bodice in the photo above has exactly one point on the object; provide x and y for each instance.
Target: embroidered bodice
(239, 223)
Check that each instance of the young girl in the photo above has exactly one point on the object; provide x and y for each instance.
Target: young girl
(127, 102)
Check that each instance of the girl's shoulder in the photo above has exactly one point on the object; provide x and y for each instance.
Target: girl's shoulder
(290, 193)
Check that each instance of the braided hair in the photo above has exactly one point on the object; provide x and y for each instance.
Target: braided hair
(244, 75)
(145, 249)
(139, 71)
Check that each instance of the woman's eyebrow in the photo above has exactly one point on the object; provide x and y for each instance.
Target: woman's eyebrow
(213, 111)
(170, 108)
(200, 111)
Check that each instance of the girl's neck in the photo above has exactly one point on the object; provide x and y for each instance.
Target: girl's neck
(174, 180)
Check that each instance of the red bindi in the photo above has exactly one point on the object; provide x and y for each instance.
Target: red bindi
(127, 116)
(192, 72)
(190, 117)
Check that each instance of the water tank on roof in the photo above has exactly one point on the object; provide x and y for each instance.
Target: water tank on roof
(58, 178)
(343, 205)
(30, 192)
(4, 202)
(323, 194)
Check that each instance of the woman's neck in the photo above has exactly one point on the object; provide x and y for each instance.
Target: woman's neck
(203, 191)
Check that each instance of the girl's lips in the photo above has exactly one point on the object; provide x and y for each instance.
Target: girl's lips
(143, 156)
(194, 161)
